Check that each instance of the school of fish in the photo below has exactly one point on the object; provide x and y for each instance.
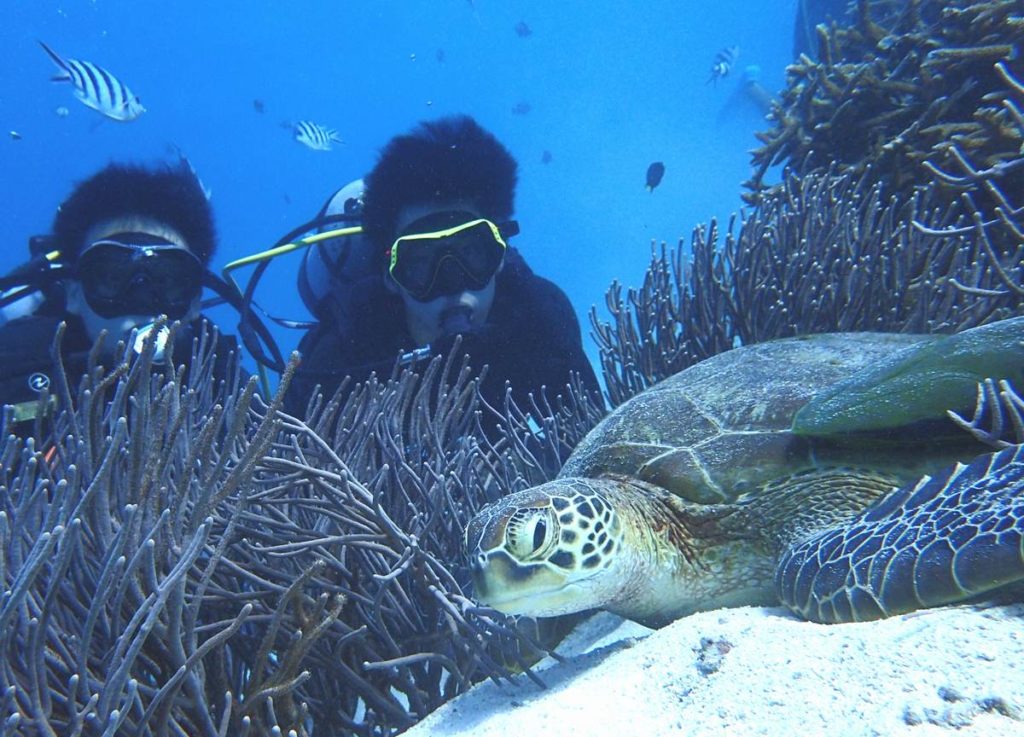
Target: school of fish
(100, 90)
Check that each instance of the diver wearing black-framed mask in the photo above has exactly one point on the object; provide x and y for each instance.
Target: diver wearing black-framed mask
(139, 273)
(130, 254)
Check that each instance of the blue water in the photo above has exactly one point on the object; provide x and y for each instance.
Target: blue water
(611, 87)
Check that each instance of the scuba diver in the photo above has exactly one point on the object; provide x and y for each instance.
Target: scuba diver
(130, 244)
(433, 263)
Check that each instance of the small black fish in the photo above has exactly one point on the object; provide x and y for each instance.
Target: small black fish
(523, 30)
(258, 106)
(439, 55)
(654, 174)
(522, 108)
(724, 60)
(545, 158)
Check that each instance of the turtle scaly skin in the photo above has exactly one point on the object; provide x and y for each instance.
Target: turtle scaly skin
(700, 492)
(947, 538)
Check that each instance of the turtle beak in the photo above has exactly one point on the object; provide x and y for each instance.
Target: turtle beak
(481, 582)
(513, 587)
(493, 572)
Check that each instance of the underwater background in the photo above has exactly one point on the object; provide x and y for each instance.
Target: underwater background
(586, 95)
(244, 570)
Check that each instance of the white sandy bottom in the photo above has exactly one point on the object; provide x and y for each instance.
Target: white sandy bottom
(757, 671)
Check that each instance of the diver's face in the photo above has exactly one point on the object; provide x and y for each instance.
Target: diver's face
(120, 326)
(450, 314)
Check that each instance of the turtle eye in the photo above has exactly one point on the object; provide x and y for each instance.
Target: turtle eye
(540, 533)
(529, 533)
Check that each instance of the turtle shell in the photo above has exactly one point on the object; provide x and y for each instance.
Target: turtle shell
(722, 427)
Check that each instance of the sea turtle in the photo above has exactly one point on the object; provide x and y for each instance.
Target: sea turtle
(782, 470)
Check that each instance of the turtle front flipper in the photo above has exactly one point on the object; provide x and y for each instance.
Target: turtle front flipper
(942, 540)
(919, 383)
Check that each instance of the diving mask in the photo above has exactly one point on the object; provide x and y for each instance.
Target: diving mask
(139, 274)
(428, 261)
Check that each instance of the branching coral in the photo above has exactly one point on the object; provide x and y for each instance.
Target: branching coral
(998, 418)
(379, 489)
(921, 94)
(821, 253)
(187, 560)
(900, 90)
(113, 532)
(899, 208)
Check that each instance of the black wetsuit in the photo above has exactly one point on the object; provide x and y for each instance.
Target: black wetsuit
(531, 339)
(27, 364)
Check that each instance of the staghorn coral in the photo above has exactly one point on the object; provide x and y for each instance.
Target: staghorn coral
(186, 560)
(1000, 236)
(914, 94)
(899, 90)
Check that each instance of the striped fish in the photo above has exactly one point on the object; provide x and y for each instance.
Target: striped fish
(316, 136)
(96, 87)
(723, 62)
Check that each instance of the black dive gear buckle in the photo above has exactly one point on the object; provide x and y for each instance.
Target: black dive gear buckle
(447, 253)
(139, 274)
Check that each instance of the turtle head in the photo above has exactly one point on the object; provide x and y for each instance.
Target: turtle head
(548, 550)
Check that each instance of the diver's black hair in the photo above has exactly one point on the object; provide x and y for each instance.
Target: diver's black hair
(448, 159)
(170, 194)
